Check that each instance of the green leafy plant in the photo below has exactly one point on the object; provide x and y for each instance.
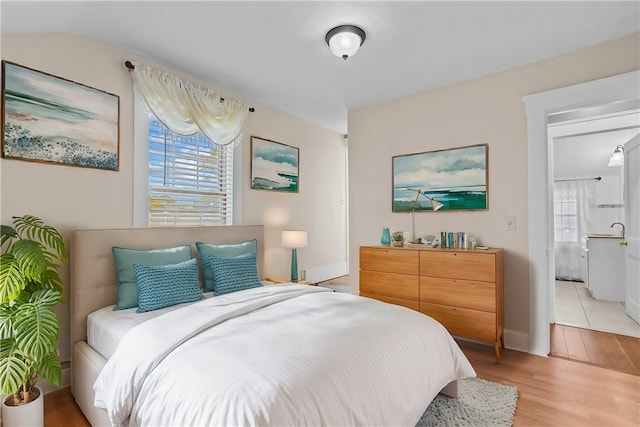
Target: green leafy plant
(397, 236)
(30, 286)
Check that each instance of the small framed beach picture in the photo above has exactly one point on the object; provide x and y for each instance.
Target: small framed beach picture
(50, 119)
(274, 166)
(452, 179)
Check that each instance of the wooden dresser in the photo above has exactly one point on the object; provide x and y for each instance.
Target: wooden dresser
(461, 288)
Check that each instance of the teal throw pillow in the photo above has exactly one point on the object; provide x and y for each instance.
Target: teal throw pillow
(232, 273)
(125, 258)
(162, 286)
(223, 250)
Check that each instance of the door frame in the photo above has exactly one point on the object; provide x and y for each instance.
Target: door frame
(632, 247)
(623, 87)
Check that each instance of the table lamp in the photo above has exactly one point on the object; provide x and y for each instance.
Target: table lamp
(435, 205)
(294, 240)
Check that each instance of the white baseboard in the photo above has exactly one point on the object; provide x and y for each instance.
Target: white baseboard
(323, 273)
(632, 309)
(516, 340)
(47, 387)
(512, 340)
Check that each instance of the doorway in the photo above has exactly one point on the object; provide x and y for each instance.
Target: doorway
(538, 106)
(588, 216)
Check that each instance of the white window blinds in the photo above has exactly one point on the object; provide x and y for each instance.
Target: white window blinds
(190, 178)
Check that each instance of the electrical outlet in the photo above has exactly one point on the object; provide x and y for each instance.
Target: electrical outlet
(510, 223)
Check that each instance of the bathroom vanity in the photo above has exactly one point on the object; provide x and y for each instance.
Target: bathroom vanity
(605, 277)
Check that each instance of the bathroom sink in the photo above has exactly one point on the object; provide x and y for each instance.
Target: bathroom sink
(604, 235)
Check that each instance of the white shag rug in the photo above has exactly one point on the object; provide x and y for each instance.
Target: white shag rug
(480, 403)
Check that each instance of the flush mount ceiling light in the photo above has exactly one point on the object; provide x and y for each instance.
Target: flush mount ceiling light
(345, 40)
(617, 158)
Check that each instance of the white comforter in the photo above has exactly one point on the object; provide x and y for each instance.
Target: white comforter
(280, 355)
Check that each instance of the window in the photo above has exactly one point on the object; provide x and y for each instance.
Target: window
(190, 178)
(565, 218)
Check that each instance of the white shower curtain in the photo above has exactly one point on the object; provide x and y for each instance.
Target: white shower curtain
(569, 261)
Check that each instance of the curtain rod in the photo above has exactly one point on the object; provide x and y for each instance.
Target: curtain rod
(132, 67)
(597, 178)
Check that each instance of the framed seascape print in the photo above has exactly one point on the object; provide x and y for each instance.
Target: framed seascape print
(54, 120)
(457, 178)
(274, 166)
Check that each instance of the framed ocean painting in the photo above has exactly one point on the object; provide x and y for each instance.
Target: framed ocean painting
(274, 166)
(457, 178)
(54, 120)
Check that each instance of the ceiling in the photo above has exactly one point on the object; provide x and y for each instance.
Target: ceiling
(274, 52)
(583, 145)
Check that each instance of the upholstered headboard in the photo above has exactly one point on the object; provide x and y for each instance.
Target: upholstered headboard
(94, 282)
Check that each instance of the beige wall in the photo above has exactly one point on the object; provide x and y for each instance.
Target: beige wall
(484, 110)
(72, 198)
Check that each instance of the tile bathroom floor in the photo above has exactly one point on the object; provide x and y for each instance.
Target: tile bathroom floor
(574, 306)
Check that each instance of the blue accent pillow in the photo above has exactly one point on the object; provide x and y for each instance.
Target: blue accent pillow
(232, 273)
(161, 286)
(125, 258)
(223, 250)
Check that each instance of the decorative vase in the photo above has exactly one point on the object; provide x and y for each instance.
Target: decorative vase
(385, 240)
(30, 414)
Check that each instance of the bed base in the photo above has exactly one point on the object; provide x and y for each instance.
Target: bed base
(87, 366)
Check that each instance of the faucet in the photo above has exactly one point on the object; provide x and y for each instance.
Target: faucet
(621, 224)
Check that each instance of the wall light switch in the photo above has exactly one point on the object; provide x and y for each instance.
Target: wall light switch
(510, 223)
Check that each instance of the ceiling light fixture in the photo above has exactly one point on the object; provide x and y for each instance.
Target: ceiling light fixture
(617, 158)
(345, 40)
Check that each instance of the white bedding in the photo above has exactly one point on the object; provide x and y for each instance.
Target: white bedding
(105, 327)
(280, 355)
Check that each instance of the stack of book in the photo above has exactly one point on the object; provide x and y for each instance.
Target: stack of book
(454, 240)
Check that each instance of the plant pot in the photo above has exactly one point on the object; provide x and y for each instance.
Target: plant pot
(30, 414)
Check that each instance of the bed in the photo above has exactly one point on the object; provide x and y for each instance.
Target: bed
(286, 354)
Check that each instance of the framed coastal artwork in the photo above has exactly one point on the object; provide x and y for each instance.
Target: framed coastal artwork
(274, 166)
(457, 178)
(54, 120)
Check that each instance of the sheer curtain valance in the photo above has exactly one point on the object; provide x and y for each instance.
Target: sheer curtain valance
(186, 108)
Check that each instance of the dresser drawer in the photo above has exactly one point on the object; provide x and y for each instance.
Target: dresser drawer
(459, 293)
(414, 305)
(389, 260)
(475, 324)
(459, 265)
(390, 284)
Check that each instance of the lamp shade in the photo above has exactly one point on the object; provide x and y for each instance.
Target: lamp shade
(617, 158)
(345, 40)
(294, 239)
(435, 205)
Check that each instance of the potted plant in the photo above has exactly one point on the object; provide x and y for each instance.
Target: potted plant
(397, 238)
(30, 287)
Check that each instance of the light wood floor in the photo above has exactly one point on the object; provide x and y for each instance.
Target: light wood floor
(552, 391)
(612, 351)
